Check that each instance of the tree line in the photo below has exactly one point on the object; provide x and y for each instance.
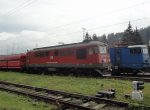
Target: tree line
(128, 37)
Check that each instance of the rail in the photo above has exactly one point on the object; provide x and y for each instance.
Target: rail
(66, 100)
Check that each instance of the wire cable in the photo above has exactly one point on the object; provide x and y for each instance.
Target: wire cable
(106, 26)
(19, 8)
(94, 17)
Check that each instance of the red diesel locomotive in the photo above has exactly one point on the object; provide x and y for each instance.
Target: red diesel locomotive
(85, 57)
(80, 57)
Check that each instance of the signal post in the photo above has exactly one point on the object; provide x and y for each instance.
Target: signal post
(137, 93)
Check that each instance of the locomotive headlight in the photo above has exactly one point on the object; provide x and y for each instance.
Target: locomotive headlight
(103, 60)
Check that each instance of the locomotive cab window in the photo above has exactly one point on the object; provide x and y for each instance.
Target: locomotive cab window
(93, 50)
(81, 53)
(102, 50)
(37, 54)
(145, 50)
(41, 54)
(66, 52)
(90, 51)
(56, 52)
(47, 53)
(135, 51)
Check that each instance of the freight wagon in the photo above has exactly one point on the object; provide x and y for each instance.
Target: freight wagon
(17, 61)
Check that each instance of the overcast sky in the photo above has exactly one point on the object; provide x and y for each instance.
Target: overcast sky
(26, 24)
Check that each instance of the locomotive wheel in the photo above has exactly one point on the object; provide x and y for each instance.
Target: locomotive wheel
(98, 73)
(115, 73)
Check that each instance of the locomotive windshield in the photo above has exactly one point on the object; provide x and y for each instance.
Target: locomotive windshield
(103, 50)
(145, 51)
(139, 50)
(97, 49)
(136, 50)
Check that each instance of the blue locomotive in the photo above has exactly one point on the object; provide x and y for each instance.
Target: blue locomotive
(129, 59)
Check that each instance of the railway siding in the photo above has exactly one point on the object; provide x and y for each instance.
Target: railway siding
(86, 86)
(66, 100)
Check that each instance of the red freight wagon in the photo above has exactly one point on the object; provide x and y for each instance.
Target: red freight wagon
(89, 55)
(17, 61)
(3, 61)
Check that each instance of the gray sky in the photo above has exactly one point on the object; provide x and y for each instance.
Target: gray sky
(25, 24)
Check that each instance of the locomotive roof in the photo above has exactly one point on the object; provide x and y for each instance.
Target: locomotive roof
(71, 45)
(13, 56)
(20, 54)
(131, 46)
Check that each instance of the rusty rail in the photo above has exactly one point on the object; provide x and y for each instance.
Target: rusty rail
(67, 100)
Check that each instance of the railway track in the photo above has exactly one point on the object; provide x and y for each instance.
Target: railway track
(63, 99)
(145, 79)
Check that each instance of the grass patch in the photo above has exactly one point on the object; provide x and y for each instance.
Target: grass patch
(86, 86)
(9, 101)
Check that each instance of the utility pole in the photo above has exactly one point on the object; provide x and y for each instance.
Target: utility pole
(61, 43)
(7, 50)
(36, 45)
(83, 33)
(13, 47)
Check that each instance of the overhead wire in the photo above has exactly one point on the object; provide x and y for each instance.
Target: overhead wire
(119, 23)
(87, 19)
(94, 17)
(100, 27)
(106, 26)
(28, 2)
(20, 4)
(23, 5)
(19, 7)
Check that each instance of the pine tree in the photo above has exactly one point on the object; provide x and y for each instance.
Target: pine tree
(137, 37)
(103, 39)
(87, 37)
(95, 37)
(128, 37)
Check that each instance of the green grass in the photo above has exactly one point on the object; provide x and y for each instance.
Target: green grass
(86, 86)
(9, 101)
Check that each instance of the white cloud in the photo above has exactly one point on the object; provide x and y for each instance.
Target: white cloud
(47, 22)
(5, 36)
(23, 40)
